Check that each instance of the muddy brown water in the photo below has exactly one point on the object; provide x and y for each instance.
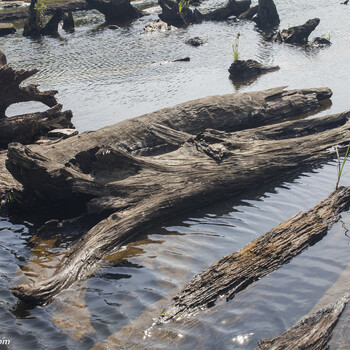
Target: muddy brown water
(106, 76)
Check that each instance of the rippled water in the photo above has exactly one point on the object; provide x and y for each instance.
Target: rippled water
(106, 76)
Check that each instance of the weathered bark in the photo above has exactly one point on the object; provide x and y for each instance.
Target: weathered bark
(312, 333)
(116, 11)
(248, 69)
(28, 128)
(233, 273)
(298, 35)
(172, 16)
(51, 28)
(68, 22)
(267, 15)
(11, 91)
(137, 192)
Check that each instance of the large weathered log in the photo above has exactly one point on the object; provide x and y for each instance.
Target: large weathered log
(102, 167)
(116, 11)
(232, 8)
(298, 35)
(267, 15)
(11, 91)
(235, 272)
(28, 128)
(312, 333)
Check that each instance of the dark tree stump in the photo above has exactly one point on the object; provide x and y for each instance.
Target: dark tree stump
(116, 11)
(68, 22)
(248, 69)
(51, 28)
(184, 166)
(298, 35)
(267, 15)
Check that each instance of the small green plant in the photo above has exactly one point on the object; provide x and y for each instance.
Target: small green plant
(40, 7)
(235, 48)
(340, 165)
(327, 37)
(183, 4)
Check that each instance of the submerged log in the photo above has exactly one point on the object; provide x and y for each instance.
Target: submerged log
(249, 14)
(248, 69)
(11, 91)
(116, 11)
(233, 273)
(183, 166)
(312, 333)
(267, 15)
(298, 35)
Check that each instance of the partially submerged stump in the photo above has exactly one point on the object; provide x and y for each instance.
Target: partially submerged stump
(35, 25)
(6, 29)
(233, 273)
(312, 333)
(298, 35)
(68, 22)
(183, 166)
(267, 16)
(171, 15)
(116, 11)
(248, 69)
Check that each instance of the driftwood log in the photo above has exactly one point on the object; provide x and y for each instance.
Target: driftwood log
(116, 11)
(142, 170)
(312, 333)
(265, 254)
(29, 127)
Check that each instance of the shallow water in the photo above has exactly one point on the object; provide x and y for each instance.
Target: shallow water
(106, 76)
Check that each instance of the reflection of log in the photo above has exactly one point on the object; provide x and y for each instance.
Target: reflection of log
(11, 91)
(180, 172)
(235, 272)
(312, 333)
(28, 128)
(115, 11)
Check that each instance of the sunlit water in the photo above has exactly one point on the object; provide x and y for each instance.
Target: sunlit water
(106, 76)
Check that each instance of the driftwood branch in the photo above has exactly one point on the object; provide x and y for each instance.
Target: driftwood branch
(312, 333)
(185, 166)
(265, 254)
(11, 91)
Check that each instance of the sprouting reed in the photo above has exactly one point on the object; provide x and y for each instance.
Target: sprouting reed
(340, 165)
(183, 4)
(235, 48)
